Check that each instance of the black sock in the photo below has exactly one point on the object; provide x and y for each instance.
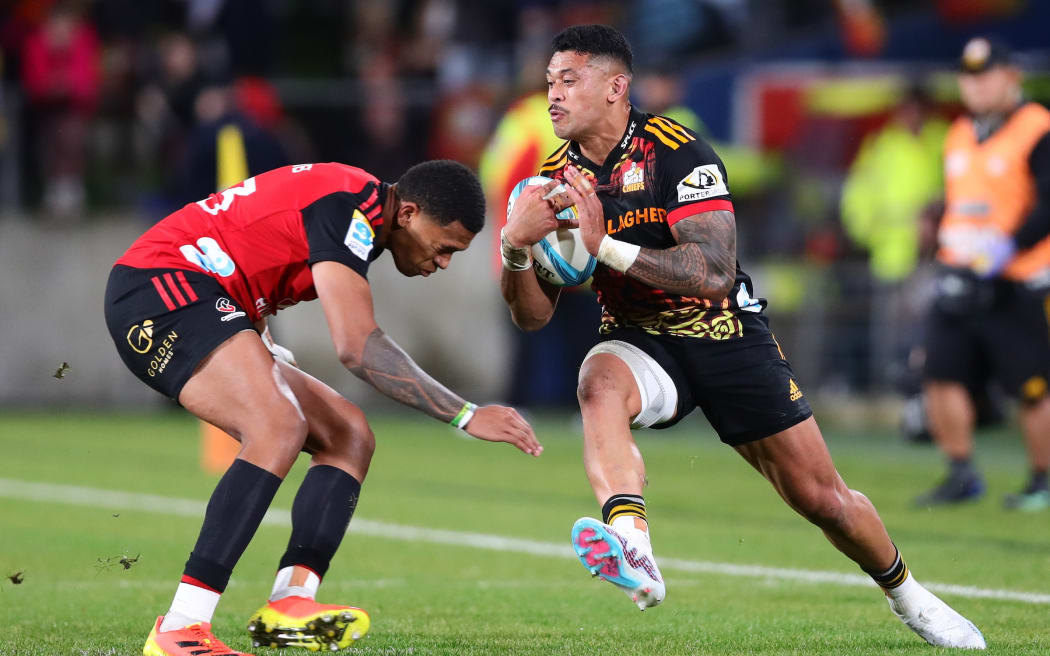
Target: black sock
(1037, 482)
(321, 512)
(961, 466)
(620, 505)
(234, 511)
(892, 577)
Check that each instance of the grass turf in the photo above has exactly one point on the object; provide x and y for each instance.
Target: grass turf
(704, 502)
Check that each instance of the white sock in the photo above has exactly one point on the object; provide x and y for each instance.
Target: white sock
(282, 585)
(624, 525)
(191, 604)
(909, 587)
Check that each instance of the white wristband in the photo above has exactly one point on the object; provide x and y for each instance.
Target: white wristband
(466, 413)
(515, 258)
(617, 254)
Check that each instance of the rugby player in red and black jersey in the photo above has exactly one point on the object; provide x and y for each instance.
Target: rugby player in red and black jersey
(186, 306)
(681, 329)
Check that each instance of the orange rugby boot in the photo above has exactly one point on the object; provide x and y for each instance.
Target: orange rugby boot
(194, 640)
(302, 622)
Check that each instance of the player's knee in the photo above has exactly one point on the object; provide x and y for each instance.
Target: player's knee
(351, 438)
(598, 386)
(823, 506)
(280, 434)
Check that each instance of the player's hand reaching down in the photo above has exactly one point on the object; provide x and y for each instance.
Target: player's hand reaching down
(497, 423)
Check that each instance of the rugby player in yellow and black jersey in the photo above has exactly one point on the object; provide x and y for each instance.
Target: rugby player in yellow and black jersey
(681, 329)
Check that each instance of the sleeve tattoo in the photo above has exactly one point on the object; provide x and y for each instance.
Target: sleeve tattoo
(386, 367)
(703, 263)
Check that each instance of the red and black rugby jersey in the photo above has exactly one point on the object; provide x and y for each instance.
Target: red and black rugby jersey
(259, 238)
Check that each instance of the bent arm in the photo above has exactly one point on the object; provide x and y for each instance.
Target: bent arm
(531, 301)
(368, 353)
(703, 264)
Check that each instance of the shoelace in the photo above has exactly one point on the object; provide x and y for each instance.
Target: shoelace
(208, 640)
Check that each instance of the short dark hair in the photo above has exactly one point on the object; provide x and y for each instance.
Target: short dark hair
(595, 40)
(447, 191)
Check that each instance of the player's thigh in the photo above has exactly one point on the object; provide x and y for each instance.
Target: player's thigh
(744, 386)
(239, 388)
(636, 365)
(338, 433)
(180, 333)
(1018, 342)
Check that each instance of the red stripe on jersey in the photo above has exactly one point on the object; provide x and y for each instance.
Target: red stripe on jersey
(186, 578)
(181, 277)
(163, 294)
(179, 298)
(676, 215)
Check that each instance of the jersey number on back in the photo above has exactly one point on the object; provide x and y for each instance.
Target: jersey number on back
(210, 257)
(226, 198)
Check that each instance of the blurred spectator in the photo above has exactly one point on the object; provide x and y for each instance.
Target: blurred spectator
(988, 317)
(165, 112)
(895, 177)
(223, 131)
(892, 184)
(462, 123)
(388, 138)
(60, 73)
(257, 99)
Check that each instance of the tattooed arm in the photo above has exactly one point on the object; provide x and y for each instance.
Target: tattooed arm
(374, 358)
(703, 264)
(386, 367)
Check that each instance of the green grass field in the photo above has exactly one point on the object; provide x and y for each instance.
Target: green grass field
(429, 595)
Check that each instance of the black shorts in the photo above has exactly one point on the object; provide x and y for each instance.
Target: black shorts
(744, 386)
(1008, 340)
(165, 321)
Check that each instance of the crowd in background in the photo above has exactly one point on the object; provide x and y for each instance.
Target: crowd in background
(118, 105)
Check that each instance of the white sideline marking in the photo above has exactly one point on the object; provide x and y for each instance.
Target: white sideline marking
(115, 500)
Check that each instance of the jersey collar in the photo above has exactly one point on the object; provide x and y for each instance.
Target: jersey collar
(635, 120)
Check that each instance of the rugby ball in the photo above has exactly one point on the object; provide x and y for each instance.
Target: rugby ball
(560, 258)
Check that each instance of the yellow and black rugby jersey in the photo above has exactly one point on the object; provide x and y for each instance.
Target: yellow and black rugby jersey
(659, 173)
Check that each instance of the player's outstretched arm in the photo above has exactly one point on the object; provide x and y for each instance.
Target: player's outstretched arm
(376, 359)
(531, 301)
(703, 264)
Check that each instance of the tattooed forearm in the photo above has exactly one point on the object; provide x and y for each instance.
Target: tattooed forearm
(703, 263)
(386, 367)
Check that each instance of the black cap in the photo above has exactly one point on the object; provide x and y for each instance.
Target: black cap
(983, 53)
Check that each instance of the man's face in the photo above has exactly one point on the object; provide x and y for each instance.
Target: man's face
(578, 88)
(994, 90)
(422, 245)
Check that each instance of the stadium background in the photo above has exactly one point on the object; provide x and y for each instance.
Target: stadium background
(96, 147)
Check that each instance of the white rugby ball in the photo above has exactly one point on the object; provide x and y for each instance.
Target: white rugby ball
(560, 258)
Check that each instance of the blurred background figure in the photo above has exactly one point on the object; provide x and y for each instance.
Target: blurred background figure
(60, 71)
(989, 315)
(893, 185)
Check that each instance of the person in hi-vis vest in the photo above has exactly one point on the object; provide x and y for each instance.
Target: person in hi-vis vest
(989, 314)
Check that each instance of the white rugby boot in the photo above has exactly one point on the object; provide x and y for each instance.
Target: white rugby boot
(623, 558)
(935, 621)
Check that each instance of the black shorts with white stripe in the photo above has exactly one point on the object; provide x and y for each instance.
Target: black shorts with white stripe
(165, 321)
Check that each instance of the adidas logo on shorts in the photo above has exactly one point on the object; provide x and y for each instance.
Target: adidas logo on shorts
(794, 393)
